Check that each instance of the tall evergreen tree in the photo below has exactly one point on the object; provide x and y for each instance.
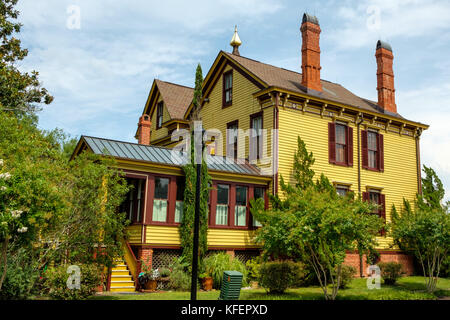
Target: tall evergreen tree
(187, 224)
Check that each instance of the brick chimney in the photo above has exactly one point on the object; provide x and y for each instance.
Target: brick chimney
(385, 77)
(311, 52)
(144, 127)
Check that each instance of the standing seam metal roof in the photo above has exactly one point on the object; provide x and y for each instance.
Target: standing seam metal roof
(133, 151)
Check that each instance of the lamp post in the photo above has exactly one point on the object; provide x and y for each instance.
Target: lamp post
(199, 146)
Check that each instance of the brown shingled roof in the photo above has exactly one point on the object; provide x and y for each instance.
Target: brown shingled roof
(176, 98)
(291, 80)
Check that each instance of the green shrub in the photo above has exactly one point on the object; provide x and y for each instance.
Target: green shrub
(22, 276)
(277, 276)
(164, 272)
(253, 268)
(390, 271)
(55, 282)
(221, 262)
(445, 268)
(347, 275)
(179, 279)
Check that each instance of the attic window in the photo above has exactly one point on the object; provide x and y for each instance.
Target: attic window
(228, 88)
(159, 115)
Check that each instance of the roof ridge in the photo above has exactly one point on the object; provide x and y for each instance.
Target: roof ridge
(271, 65)
(175, 84)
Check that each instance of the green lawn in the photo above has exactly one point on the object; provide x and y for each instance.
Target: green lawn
(408, 288)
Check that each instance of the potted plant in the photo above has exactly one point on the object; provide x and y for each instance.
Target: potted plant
(151, 276)
(206, 275)
(207, 281)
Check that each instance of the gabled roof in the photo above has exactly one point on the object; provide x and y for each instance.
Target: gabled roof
(159, 155)
(291, 80)
(176, 98)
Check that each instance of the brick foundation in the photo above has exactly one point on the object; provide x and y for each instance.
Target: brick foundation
(145, 255)
(352, 259)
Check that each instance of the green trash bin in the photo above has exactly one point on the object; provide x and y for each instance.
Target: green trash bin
(231, 285)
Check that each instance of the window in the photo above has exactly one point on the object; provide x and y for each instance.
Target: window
(240, 210)
(159, 115)
(222, 207)
(342, 190)
(258, 193)
(340, 144)
(160, 200)
(232, 140)
(256, 136)
(372, 148)
(133, 205)
(376, 197)
(181, 181)
(227, 88)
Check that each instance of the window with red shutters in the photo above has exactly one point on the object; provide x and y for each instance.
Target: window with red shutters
(380, 200)
(340, 144)
(372, 150)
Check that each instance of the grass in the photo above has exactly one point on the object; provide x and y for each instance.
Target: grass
(407, 288)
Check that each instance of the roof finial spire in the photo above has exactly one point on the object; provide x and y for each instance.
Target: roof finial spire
(235, 42)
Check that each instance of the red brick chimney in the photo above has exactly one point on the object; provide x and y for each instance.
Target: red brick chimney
(385, 77)
(144, 127)
(311, 52)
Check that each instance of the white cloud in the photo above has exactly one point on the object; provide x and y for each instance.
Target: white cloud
(430, 106)
(403, 18)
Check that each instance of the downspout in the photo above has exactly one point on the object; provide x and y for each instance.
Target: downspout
(358, 125)
(275, 146)
(419, 166)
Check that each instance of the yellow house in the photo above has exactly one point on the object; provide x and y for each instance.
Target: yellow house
(255, 112)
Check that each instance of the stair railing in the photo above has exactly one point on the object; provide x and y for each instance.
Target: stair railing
(133, 264)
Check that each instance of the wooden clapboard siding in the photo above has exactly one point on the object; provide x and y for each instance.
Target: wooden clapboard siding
(244, 105)
(399, 179)
(134, 234)
(169, 236)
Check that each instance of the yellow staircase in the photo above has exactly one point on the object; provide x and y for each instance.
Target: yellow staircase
(121, 278)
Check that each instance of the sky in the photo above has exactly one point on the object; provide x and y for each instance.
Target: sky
(99, 58)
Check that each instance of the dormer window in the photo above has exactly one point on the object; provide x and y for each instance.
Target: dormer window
(159, 114)
(228, 88)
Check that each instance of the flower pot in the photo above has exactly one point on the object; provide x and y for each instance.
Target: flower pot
(151, 285)
(207, 283)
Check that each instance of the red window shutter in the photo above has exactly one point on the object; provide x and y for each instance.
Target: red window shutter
(365, 196)
(331, 142)
(350, 146)
(383, 211)
(364, 150)
(381, 152)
